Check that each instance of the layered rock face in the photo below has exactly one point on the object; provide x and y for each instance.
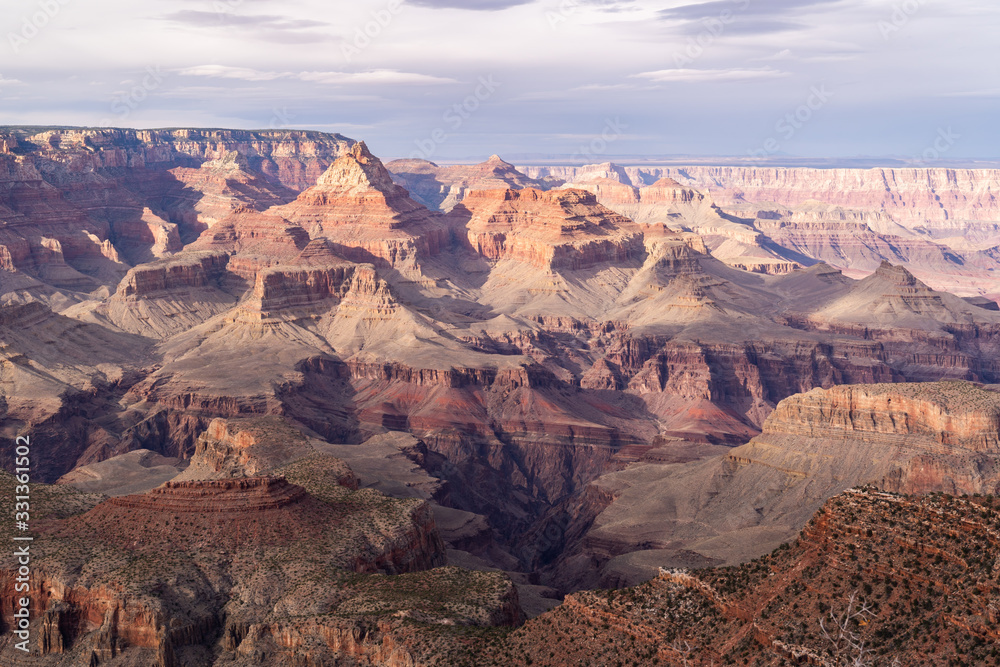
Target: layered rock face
(212, 191)
(555, 230)
(912, 197)
(355, 204)
(666, 202)
(80, 206)
(929, 434)
(904, 438)
(941, 223)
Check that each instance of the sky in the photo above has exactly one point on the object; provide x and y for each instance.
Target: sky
(447, 79)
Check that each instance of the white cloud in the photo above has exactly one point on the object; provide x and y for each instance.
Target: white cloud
(709, 75)
(224, 72)
(380, 77)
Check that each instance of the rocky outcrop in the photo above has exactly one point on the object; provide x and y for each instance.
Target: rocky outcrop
(564, 229)
(169, 296)
(191, 270)
(356, 205)
(249, 446)
(211, 192)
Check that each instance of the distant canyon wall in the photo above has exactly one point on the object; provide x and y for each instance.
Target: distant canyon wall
(912, 197)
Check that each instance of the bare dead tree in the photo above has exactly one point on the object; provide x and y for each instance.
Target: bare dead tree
(684, 649)
(845, 644)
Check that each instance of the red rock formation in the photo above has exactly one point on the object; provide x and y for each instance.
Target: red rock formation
(356, 205)
(203, 196)
(565, 229)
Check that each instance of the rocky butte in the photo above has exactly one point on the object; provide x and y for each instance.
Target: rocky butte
(409, 382)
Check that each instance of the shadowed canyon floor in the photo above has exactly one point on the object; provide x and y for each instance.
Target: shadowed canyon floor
(558, 380)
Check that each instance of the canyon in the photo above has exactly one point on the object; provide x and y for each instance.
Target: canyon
(525, 382)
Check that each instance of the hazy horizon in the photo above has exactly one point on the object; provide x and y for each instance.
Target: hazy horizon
(588, 78)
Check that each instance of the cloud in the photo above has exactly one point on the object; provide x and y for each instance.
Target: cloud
(784, 54)
(268, 27)
(710, 75)
(224, 72)
(198, 18)
(379, 76)
(748, 17)
(701, 10)
(475, 5)
(988, 92)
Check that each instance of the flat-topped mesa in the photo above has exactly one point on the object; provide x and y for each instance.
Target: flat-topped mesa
(249, 446)
(906, 438)
(608, 191)
(668, 191)
(671, 254)
(946, 414)
(237, 496)
(290, 292)
(193, 269)
(561, 229)
(607, 170)
(171, 295)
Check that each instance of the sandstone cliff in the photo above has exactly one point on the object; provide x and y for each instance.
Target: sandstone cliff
(355, 204)
(905, 438)
(549, 230)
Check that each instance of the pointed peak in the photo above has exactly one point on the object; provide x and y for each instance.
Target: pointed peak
(896, 274)
(356, 171)
(666, 183)
(496, 159)
(360, 151)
